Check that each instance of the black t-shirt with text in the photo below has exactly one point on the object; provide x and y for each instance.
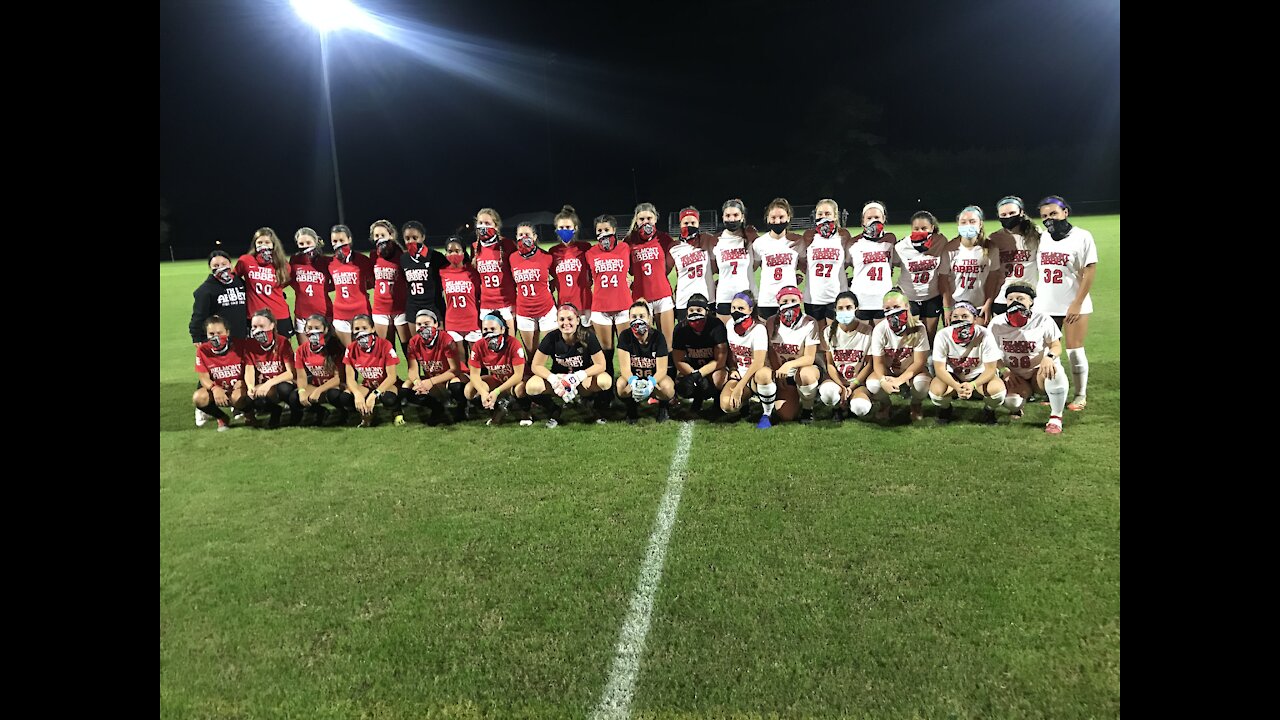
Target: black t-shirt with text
(567, 357)
(644, 356)
(699, 348)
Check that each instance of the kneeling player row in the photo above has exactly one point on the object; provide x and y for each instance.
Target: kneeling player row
(786, 363)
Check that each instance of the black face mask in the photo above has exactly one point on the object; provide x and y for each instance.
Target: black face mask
(778, 227)
(733, 225)
(737, 316)
(689, 232)
(1058, 229)
(1009, 223)
(307, 251)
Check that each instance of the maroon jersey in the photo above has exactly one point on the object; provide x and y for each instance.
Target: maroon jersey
(372, 365)
(609, 291)
(267, 362)
(351, 282)
(649, 266)
(573, 279)
(318, 373)
(533, 278)
(261, 286)
(311, 286)
(226, 369)
(431, 360)
(502, 364)
(389, 286)
(497, 289)
(461, 294)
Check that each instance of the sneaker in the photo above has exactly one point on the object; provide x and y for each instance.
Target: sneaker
(366, 422)
(601, 421)
(438, 417)
(765, 423)
(1053, 427)
(944, 415)
(1078, 404)
(663, 414)
(988, 416)
(201, 417)
(806, 416)
(553, 423)
(496, 417)
(223, 426)
(633, 413)
(1015, 414)
(652, 401)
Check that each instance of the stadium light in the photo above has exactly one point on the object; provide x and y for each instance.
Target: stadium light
(327, 16)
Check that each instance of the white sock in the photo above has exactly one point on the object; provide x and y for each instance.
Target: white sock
(1056, 388)
(808, 393)
(860, 406)
(767, 394)
(829, 393)
(942, 401)
(1014, 402)
(919, 387)
(1079, 370)
(873, 387)
(994, 401)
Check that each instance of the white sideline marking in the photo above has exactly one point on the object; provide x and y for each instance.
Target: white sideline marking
(615, 701)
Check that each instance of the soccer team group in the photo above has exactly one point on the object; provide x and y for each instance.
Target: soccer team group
(492, 325)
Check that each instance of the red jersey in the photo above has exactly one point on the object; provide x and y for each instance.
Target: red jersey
(609, 291)
(497, 289)
(314, 365)
(389, 286)
(267, 362)
(311, 285)
(649, 266)
(461, 288)
(227, 369)
(533, 279)
(572, 276)
(431, 360)
(351, 282)
(262, 288)
(501, 365)
(372, 365)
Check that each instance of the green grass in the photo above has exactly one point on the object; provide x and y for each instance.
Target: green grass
(866, 570)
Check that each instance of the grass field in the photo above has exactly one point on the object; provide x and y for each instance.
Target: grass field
(859, 570)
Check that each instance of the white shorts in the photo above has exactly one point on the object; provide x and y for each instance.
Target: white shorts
(343, 326)
(546, 323)
(618, 318)
(503, 312)
(386, 320)
(662, 305)
(455, 337)
(470, 337)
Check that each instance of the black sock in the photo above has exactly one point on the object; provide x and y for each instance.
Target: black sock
(546, 402)
(213, 411)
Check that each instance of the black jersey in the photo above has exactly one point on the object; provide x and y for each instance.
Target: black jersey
(568, 357)
(699, 347)
(227, 301)
(644, 356)
(422, 275)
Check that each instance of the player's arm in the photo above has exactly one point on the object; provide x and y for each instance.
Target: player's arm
(540, 365)
(661, 370)
(721, 354)
(682, 367)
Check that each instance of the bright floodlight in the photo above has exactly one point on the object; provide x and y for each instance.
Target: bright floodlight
(329, 15)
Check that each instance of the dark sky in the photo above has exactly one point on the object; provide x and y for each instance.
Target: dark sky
(525, 106)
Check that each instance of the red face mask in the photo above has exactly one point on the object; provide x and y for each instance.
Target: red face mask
(1019, 315)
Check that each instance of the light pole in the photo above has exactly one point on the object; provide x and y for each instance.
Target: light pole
(327, 16)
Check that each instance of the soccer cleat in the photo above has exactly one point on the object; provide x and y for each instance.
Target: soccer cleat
(201, 418)
(1053, 428)
(917, 413)
(366, 422)
(223, 426)
(765, 423)
(526, 421)
(663, 414)
(496, 417)
(601, 421)
(944, 415)
(1078, 404)
(806, 416)
(837, 414)
(399, 420)
(884, 411)
(250, 418)
(237, 416)
(553, 423)
(1015, 414)
(988, 416)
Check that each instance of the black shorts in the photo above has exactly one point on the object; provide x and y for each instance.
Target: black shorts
(285, 327)
(765, 313)
(870, 314)
(724, 308)
(998, 309)
(930, 308)
(825, 311)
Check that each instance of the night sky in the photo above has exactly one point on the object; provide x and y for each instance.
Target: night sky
(526, 106)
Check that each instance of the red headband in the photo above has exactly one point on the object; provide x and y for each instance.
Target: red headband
(689, 213)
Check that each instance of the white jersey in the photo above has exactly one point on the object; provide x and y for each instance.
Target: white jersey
(734, 264)
(920, 271)
(1019, 264)
(1023, 348)
(895, 349)
(849, 350)
(872, 264)
(789, 343)
(693, 272)
(743, 347)
(824, 276)
(965, 362)
(777, 258)
(1061, 263)
(970, 267)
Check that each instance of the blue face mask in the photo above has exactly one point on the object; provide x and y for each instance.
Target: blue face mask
(844, 317)
(565, 235)
(968, 232)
